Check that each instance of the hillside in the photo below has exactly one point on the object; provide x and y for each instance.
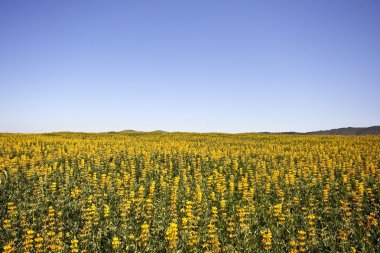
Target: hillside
(374, 130)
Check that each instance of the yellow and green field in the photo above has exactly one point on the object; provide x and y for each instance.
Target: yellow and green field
(180, 192)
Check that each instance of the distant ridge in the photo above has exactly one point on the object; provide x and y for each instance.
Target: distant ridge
(373, 130)
(159, 131)
(128, 131)
(354, 131)
(135, 131)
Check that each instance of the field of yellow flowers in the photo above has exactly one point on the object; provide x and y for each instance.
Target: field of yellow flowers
(181, 192)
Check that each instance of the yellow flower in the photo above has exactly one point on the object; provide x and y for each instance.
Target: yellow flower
(301, 241)
(106, 210)
(8, 248)
(266, 239)
(144, 232)
(115, 243)
(74, 245)
(172, 235)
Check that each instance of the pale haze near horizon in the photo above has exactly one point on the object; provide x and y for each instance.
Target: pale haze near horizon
(198, 66)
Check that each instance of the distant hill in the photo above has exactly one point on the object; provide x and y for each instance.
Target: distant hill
(128, 131)
(159, 131)
(373, 130)
(135, 131)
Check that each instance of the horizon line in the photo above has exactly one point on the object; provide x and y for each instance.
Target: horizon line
(194, 132)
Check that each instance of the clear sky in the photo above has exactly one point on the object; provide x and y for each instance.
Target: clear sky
(227, 66)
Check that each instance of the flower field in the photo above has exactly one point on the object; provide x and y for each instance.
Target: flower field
(181, 192)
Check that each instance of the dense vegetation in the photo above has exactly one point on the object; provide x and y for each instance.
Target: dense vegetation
(161, 192)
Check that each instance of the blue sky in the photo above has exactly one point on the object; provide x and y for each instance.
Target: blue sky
(226, 66)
